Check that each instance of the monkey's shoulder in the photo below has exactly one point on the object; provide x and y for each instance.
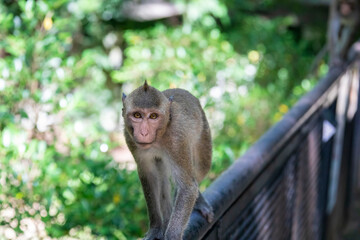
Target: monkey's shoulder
(172, 91)
(179, 94)
(185, 99)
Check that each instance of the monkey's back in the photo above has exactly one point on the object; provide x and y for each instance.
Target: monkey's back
(187, 106)
(188, 109)
(184, 98)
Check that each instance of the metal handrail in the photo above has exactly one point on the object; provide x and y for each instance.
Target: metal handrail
(235, 181)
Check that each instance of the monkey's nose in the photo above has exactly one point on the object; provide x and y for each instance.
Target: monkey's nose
(144, 134)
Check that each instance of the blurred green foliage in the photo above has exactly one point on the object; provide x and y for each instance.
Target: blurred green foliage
(63, 66)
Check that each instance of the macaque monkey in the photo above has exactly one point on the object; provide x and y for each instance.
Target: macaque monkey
(169, 137)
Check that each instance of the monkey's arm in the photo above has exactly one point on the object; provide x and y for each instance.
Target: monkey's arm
(151, 191)
(187, 193)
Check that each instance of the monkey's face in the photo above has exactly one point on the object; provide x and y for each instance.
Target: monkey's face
(145, 124)
(146, 113)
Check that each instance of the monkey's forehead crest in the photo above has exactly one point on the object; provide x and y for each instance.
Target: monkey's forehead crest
(145, 86)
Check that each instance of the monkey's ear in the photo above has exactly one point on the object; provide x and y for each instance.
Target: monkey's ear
(146, 86)
(123, 97)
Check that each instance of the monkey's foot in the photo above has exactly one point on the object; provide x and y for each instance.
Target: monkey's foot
(206, 211)
(154, 234)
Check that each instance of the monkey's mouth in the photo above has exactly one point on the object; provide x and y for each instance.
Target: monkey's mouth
(144, 144)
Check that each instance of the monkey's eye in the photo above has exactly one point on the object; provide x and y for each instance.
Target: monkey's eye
(153, 116)
(137, 115)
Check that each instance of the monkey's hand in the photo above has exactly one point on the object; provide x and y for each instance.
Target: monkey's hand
(154, 234)
(206, 212)
(204, 208)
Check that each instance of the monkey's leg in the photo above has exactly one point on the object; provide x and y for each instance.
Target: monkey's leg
(151, 188)
(166, 202)
(165, 199)
(184, 204)
(204, 208)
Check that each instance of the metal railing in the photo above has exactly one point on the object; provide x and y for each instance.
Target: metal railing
(298, 179)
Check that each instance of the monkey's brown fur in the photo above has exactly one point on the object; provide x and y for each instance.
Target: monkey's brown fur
(169, 137)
